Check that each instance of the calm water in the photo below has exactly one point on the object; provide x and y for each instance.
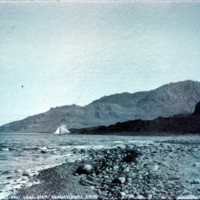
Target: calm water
(21, 153)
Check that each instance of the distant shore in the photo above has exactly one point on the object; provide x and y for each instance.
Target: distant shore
(123, 133)
(180, 124)
(154, 110)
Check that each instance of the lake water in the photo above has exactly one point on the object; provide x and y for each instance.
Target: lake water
(22, 154)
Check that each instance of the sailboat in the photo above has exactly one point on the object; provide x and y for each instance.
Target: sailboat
(61, 130)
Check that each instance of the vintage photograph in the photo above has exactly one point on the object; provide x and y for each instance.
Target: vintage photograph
(100, 99)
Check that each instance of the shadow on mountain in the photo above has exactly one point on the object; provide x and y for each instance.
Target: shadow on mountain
(181, 124)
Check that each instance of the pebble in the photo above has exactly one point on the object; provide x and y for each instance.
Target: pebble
(197, 164)
(92, 187)
(25, 174)
(127, 169)
(130, 196)
(123, 194)
(140, 197)
(116, 173)
(116, 167)
(196, 181)
(122, 179)
(173, 178)
(116, 180)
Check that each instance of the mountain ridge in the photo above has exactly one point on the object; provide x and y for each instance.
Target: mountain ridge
(167, 100)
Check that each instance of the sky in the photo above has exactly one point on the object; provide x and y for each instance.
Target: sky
(67, 53)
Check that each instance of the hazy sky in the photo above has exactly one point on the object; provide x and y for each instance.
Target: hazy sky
(73, 52)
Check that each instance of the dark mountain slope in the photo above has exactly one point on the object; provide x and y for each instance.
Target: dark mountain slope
(178, 124)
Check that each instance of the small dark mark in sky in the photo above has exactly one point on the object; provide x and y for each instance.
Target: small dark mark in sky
(22, 86)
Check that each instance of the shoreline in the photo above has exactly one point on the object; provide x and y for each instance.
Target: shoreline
(151, 171)
(145, 134)
(55, 183)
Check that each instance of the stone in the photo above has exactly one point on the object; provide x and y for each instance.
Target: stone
(190, 196)
(122, 179)
(84, 169)
(196, 164)
(43, 152)
(131, 156)
(196, 181)
(25, 174)
(84, 181)
(105, 186)
(129, 179)
(6, 172)
(127, 169)
(92, 187)
(119, 180)
(140, 197)
(82, 151)
(130, 196)
(123, 194)
(28, 184)
(152, 166)
(116, 167)
(173, 178)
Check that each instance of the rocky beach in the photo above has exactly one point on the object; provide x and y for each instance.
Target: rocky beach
(100, 99)
(167, 169)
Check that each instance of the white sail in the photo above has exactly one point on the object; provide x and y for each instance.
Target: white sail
(62, 130)
(57, 131)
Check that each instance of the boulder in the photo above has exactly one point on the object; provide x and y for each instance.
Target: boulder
(84, 169)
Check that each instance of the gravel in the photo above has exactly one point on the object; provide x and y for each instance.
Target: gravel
(126, 172)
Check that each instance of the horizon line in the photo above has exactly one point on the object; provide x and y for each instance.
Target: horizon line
(99, 1)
